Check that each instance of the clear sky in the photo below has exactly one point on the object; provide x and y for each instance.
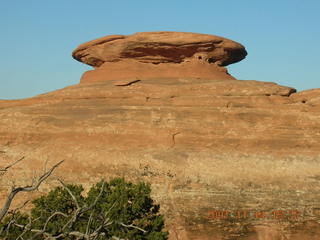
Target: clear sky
(282, 37)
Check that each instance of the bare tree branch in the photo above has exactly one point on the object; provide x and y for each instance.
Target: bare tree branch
(3, 170)
(70, 193)
(92, 206)
(132, 226)
(101, 221)
(49, 218)
(15, 191)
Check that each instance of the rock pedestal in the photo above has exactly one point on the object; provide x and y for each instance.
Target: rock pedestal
(159, 54)
(227, 159)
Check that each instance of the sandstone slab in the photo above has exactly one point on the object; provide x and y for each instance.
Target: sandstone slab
(161, 54)
(160, 47)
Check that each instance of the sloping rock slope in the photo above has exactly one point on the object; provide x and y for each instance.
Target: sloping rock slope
(210, 147)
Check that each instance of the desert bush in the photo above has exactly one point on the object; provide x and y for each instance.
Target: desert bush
(111, 210)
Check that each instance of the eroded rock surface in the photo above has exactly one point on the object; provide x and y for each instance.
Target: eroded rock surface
(160, 54)
(206, 146)
(160, 47)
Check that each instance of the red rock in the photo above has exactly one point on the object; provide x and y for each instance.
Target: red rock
(160, 54)
(203, 144)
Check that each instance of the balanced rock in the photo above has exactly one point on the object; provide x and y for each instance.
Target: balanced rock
(208, 144)
(158, 54)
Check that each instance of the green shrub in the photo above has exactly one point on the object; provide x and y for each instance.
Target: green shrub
(111, 210)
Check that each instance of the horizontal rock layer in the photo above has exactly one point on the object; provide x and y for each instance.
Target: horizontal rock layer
(132, 70)
(203, 145)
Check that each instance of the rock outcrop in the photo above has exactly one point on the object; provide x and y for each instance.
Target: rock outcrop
(159, 54)
(208, 146)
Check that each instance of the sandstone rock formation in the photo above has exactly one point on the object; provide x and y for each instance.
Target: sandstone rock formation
(205, 144)
(159, 54)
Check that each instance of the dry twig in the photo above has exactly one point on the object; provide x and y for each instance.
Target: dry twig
(15, 190)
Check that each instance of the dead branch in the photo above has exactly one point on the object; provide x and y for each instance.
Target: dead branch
(5, 169)
(132, 226)
(67, 230)
(29, 188)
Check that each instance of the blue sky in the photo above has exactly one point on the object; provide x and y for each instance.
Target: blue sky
(282, 37)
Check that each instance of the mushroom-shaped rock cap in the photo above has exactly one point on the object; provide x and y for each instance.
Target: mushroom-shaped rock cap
(160, 47)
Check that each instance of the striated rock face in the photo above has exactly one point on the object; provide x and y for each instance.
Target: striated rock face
(160, 47)
(160, 54)
(207, 146)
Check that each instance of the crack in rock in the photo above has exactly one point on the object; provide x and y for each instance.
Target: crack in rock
(126, 83)
(173, 138)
